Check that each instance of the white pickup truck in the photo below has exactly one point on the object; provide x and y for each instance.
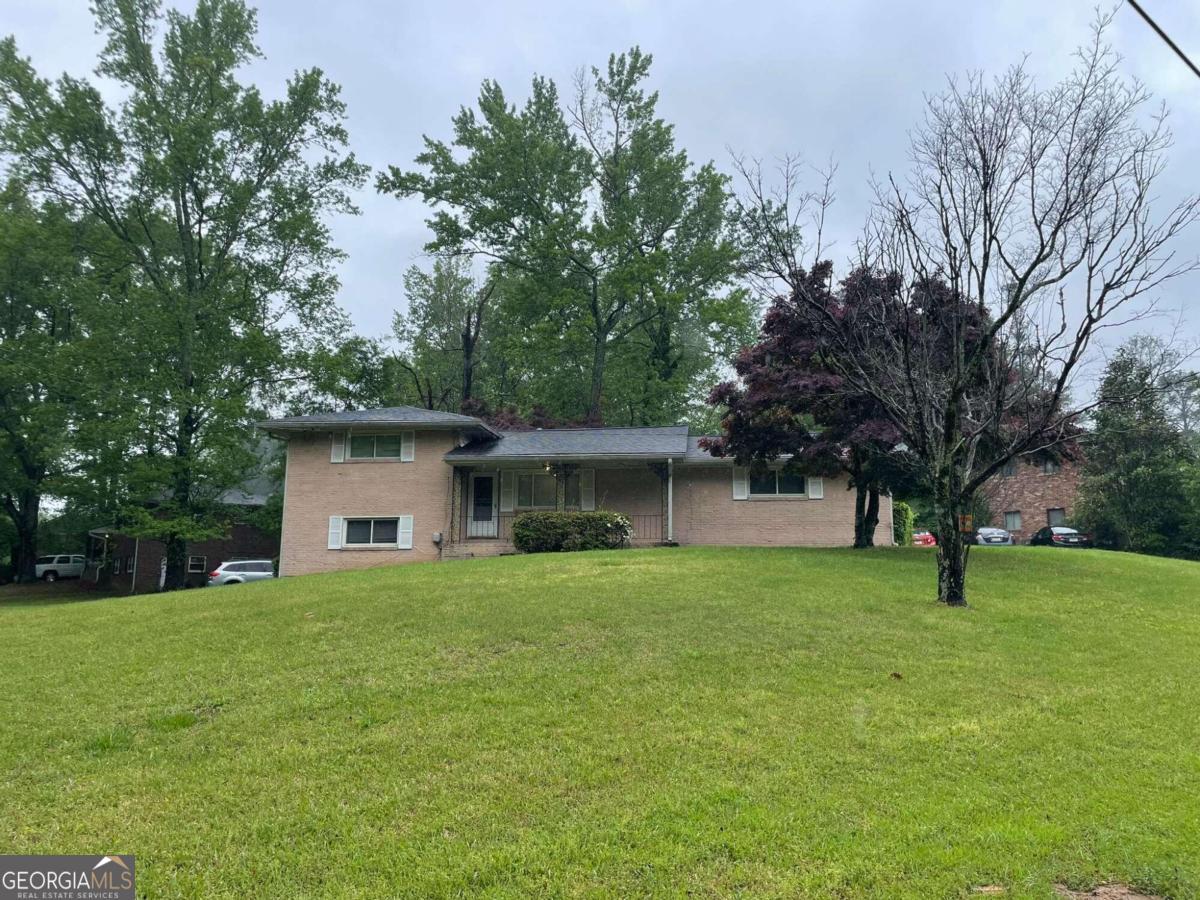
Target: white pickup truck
(52, 568)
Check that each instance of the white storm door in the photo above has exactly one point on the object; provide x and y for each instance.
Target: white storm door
(482, 510)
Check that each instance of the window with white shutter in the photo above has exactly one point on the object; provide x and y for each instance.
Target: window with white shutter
(816, 488)
(335, 533)
(337, 447)
(408, 441)
(587, 489)
(404, 538)
(507, 489)
(741, 483)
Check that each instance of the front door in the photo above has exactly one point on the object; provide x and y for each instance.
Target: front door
(482, 520)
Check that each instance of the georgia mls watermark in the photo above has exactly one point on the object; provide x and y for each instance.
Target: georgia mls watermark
(67, 877)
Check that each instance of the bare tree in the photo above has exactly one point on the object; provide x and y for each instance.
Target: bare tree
(775, 212)
(1024, 230)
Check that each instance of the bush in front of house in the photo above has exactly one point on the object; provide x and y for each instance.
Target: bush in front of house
(551, 532)
(903, 518)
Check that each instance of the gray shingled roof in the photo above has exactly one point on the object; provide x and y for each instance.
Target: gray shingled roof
(697, 455)
(579, 443)
(400, 416)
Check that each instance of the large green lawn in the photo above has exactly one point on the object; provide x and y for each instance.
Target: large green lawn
(669, 722)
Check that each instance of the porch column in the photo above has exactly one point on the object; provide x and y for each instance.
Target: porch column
(456, 495)
(561, 472)
(670, 501)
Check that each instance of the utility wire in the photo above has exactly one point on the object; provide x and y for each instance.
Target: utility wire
(1162, 34)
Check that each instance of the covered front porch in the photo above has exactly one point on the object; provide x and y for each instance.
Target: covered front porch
(486, 498)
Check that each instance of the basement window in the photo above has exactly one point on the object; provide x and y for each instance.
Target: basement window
(195, 563)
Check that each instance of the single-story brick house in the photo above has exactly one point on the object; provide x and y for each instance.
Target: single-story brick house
(381, 486)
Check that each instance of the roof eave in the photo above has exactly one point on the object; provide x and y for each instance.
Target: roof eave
(281, 430)
(455, 457)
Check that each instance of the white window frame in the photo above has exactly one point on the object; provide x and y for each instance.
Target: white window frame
(407, 447)
(1008, 526)
(777, 493)
(404, 533)
(193, 570)
(532, 473)
(1054, 509)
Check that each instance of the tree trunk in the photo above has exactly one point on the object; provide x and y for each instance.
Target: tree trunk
(24, 515)
(871, 518)
(595, 414)
(951, 556)
(176, 550)
(181, 495)
(468, 369)
(862, 537)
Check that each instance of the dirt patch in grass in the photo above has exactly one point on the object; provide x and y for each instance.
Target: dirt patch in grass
(1105, 892)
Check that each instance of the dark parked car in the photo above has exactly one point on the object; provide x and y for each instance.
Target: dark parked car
(1060, 536)
(995, 537)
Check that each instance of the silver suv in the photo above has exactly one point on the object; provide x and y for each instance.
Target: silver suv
(52, 568)
(237, 571)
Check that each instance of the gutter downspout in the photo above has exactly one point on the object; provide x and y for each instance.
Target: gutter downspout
(670, 500)
(137, 542)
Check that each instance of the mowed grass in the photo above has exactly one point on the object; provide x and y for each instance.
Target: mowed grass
(669, 722)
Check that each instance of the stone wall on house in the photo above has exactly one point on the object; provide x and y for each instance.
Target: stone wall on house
(1031, 490)
(242, 542)
(706, 513)
(316, 488)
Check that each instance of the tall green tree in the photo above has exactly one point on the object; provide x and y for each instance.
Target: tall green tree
(625, 244)
(46, 385)
(1134, 494)
(441, 333)
(218, 198)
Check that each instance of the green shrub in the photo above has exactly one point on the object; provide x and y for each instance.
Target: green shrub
(902, 523)
(550, 532)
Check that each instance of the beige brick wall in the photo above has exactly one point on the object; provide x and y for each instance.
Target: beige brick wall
(633, 490)
(316, 489)
(706, 513)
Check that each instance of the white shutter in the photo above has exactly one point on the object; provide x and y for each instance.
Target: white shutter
(337, 447)
(741, 483)
(335, 533)
(508, 481)
(587, 489)
(407, 445)
(404, 532)
(816, 488)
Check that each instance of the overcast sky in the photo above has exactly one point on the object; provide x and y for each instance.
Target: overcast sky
(842, 79)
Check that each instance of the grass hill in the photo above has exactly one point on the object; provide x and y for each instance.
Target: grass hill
(670, 721)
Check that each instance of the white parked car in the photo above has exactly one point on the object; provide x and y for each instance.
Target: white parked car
(52, 568)
(237, 571)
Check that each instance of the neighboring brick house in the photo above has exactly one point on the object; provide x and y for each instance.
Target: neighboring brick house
(138, 565)
(383, 486)
(1030, 494)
